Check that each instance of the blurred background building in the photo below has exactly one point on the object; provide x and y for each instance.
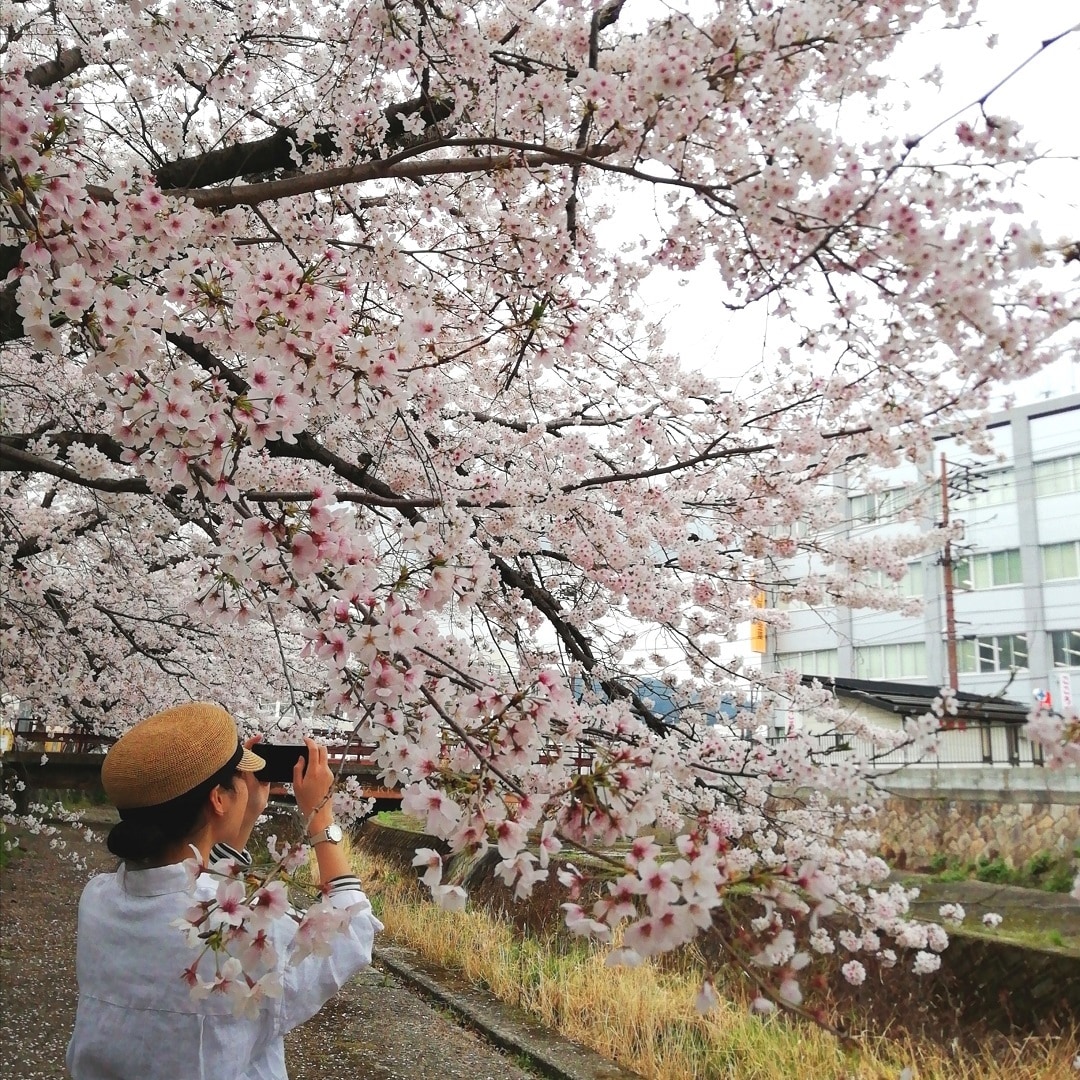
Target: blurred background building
(1011, 627)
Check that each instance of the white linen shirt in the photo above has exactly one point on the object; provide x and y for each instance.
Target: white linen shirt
(136, 1018)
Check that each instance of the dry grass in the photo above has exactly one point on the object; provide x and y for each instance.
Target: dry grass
(644, 1017)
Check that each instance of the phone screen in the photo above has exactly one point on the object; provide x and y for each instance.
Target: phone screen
(279, 761)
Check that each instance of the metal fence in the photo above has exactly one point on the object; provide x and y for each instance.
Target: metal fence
(985, 742)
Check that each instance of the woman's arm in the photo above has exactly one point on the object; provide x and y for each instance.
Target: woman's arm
(312, 782)
(311, 976)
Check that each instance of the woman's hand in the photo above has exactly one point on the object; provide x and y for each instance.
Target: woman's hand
(258, 795)
(312, 781)
(312, 784)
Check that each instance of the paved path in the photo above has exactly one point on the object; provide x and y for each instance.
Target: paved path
(378, 1028)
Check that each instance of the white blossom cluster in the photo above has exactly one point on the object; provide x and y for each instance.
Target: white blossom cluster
(233, 933)
(322, 383)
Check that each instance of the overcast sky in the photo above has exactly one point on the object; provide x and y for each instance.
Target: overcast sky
(1042, 97)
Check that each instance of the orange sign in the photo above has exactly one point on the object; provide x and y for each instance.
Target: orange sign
(758, 635)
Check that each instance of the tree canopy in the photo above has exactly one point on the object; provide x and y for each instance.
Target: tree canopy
(324, 381)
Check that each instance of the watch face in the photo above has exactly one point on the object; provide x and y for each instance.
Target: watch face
(334, 834)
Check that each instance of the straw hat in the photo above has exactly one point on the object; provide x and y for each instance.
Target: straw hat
(172, 752)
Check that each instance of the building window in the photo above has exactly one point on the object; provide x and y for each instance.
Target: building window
(879, 506)
(1061, 561)
(1065, 645)
(784, 602)
(1057, 476)
(989, 570)
(904, 661)
(987, 489)
(1001, 653)
(794, 530)
(911, 584)
(817, 662)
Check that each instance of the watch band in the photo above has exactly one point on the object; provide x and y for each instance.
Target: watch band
(330, 835)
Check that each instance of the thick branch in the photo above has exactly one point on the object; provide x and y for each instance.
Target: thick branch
(35, 545)
(393, 168)
(306, 447)
(268, 155)
(12, 459)
(364, 498)
(64, 440)
(282, 150)
(11, 324)
(244, 159)
(67, 62)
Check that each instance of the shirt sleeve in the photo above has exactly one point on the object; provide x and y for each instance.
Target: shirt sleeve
(317, 966)
(222, 851)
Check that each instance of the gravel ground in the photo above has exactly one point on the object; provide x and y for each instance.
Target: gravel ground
(375, 1029)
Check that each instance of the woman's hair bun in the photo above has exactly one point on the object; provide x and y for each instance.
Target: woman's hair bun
(136, 840)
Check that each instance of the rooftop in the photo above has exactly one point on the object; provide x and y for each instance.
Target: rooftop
(913, 699)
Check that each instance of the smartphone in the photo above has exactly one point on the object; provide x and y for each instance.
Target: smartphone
(279, 761)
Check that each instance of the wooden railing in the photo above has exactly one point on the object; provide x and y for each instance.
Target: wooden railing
(62, 742)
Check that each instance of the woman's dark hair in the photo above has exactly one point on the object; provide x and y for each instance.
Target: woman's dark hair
(146, 831)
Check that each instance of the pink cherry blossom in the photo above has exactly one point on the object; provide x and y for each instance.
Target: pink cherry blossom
(706, 999)
(926, 963)
(854, 972)
(432, 863)
(386, 434)
(269, 902)
(449, 897)
(229, 909)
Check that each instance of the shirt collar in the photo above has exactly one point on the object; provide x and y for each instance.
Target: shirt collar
(153, 880)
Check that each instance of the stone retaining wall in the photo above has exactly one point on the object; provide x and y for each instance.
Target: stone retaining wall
(914, 830)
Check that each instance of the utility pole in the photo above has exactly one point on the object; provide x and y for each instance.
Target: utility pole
(947, 569)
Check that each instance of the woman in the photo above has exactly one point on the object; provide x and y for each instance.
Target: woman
(182, 779)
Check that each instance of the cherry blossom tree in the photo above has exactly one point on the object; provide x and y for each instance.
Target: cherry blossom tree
(323, 379)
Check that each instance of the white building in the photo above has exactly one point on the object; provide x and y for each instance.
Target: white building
(1016, 572)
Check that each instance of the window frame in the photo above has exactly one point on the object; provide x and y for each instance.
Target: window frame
(1067, 648)
(1050, 472)
(879, 507)
(1070, 545)
(998, 488)
(785, 660)
(980, 654)
(883, 654)
(989, 560)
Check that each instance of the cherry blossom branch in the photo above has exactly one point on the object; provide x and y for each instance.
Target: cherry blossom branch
(66, 64)
(984, 97)
(602, 18)
(280, 150)
(12, 459)
(395, 167)
(37, 545)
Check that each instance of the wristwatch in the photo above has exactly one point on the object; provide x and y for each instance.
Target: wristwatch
(332, 834)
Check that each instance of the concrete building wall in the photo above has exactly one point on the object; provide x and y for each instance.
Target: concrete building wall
(1020, 439)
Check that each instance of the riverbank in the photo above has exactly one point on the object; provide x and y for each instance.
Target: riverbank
(953, 1024)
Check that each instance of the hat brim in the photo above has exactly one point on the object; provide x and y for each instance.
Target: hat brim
(250, 762)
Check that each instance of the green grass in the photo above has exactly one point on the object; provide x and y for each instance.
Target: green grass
(397, 819)
(1029, 937)
(1046, 870)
